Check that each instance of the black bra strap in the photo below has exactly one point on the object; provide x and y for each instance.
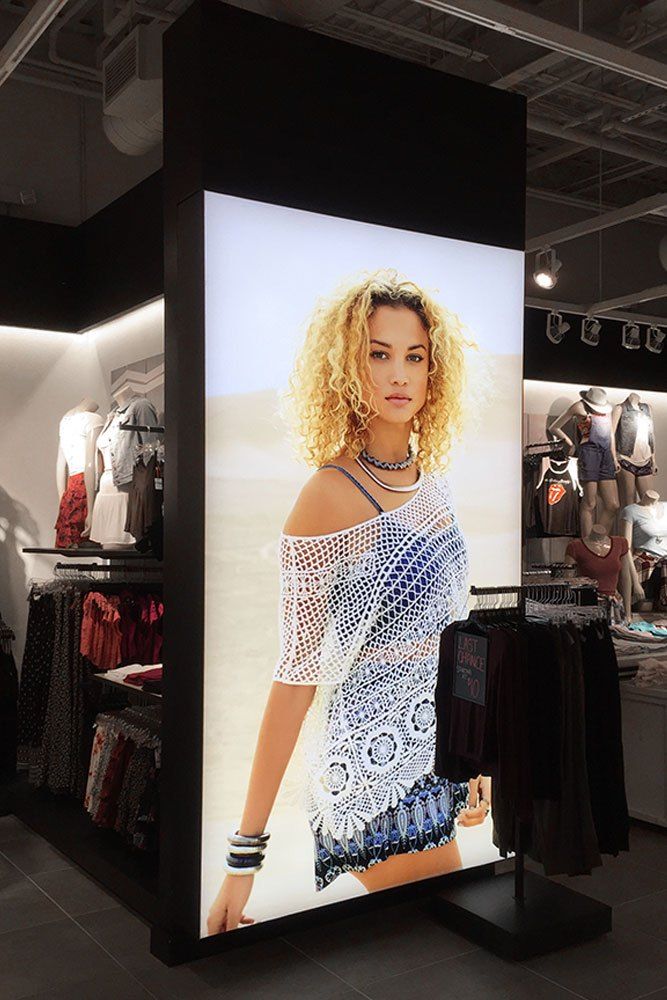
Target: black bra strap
(356, 483)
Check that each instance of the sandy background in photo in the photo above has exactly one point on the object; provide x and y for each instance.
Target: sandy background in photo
(252, 482)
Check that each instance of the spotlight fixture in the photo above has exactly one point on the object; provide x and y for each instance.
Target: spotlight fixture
(547, 266)
(654, 339)
(631, 337)
(557, 327)
(590, 331)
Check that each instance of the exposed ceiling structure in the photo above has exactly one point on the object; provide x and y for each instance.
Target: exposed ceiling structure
(594, 74)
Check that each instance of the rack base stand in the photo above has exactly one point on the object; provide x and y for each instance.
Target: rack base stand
(551, 916)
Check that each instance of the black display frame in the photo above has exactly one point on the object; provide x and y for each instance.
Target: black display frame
(317, 137)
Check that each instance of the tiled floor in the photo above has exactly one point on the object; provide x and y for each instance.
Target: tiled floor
(61, 937)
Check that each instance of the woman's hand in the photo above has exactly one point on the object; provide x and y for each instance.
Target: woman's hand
(638, 592)
(479, 802)
(227, 910)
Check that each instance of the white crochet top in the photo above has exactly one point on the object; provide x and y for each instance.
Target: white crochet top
(361, 612)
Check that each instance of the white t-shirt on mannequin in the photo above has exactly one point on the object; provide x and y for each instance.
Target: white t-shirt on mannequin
(75, 429)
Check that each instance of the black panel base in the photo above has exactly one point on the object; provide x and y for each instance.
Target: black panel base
(552, 916)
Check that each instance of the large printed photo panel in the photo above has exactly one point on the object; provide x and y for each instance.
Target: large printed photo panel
(342, 627)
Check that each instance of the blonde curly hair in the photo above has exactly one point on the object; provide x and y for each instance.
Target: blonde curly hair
(326, 404)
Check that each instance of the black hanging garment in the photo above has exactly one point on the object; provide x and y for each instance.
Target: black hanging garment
(547, 731)
(35, 676)
(557, 499)
(9, 686)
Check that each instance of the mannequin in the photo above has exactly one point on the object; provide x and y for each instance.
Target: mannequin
(117, 458)
(607, 560)
(123, 395)
(635, 445)
(75, 472)
(645, 528)
(596, 451)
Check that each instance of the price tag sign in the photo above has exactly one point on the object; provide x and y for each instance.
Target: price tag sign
(470, 661)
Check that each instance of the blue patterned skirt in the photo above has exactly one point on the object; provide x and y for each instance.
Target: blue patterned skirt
(423, 819)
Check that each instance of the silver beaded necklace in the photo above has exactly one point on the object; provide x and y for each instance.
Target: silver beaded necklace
(385, 486)
(389, 466)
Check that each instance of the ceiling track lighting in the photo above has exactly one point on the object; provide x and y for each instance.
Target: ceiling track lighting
(557, 327)
(590, 331)
(654, 339)
(631, 337)
(547, 266)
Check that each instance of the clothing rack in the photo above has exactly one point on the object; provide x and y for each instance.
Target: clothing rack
(142, 428)
(99, 568)
(550, 915)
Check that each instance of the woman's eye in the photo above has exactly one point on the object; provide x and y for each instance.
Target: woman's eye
(415, 357)
(378, 354)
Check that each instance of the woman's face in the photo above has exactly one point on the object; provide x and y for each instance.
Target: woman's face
(399, 363)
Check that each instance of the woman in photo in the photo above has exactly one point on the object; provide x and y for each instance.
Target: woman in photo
(373, 568)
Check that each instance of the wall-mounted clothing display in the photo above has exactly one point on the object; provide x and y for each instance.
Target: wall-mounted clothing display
(69, 629)
(605, 569)
(121, 628)
(122, 789)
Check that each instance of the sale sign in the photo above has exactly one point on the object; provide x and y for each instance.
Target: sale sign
(470, 660)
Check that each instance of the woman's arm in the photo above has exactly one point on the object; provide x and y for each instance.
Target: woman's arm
(285, 711)
(313, 513)
(556, 428)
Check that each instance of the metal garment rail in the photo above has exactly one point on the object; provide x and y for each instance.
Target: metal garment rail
(539, 915)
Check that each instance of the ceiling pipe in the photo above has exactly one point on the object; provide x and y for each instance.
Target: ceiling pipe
(534, 68)
(404, 31)
(528, 27)
(647, 295)
(646, 206)
(77, 8)
(563, 151)
(67, 88)
(536, 123)
(550, 305)
(31, 28)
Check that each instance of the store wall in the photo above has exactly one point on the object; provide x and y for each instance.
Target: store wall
(44, 374)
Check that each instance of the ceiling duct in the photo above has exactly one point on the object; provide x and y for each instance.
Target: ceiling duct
(132, 91)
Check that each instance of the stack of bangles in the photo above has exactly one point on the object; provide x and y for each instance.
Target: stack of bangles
(246, 854)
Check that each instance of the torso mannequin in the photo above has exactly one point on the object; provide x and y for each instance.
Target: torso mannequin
(603, 558)
(75, 468)
(597, 455)
(635, 445)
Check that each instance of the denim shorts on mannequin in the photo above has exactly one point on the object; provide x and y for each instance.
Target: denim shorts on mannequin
(595, 463)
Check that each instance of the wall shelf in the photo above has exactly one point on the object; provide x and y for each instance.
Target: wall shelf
(93, 552)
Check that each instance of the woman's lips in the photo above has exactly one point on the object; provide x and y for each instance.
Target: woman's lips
(398, 400)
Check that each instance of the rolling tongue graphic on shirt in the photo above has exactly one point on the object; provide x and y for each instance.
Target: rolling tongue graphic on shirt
(555, 494)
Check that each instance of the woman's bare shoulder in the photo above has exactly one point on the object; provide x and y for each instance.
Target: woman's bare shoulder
(326, 503)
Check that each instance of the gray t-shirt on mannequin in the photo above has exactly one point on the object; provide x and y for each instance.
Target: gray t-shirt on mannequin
(649, 527)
